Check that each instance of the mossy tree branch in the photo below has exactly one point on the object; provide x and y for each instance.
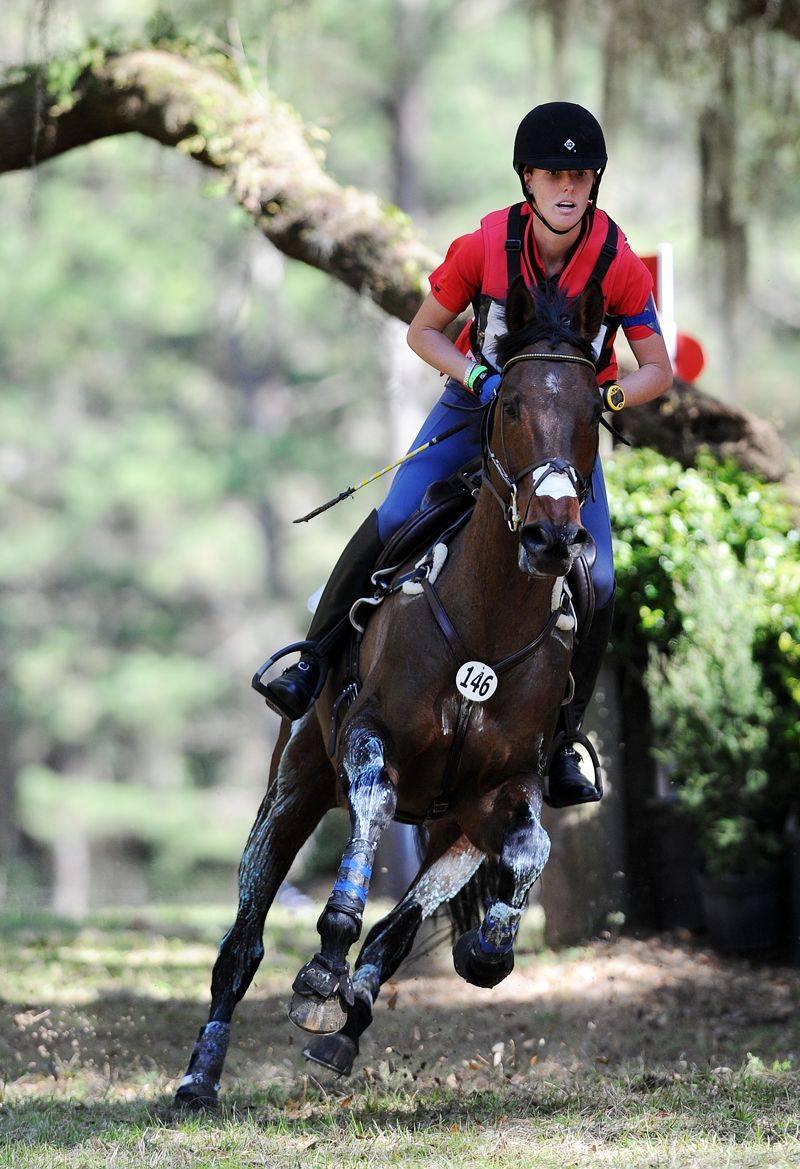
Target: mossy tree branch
(270, 162)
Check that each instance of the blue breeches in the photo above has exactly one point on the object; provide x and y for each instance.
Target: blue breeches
(440, 462)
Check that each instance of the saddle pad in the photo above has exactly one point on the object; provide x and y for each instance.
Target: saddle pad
(442, 505)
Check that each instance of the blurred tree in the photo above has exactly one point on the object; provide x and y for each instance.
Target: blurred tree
(739, 84)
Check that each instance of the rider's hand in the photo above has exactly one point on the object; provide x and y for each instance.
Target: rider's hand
(483, 383)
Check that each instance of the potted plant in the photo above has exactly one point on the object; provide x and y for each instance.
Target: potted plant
(713, 714)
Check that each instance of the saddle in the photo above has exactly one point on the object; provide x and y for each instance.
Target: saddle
(446, 503)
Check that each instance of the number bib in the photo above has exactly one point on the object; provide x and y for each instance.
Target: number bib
(476, 681)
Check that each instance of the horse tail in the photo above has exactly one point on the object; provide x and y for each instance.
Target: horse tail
(466, 908)
(284, 734)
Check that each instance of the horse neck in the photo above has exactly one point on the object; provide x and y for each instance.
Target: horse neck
(499, 606)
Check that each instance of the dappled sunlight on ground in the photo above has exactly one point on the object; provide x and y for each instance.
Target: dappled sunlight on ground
(589, 1049)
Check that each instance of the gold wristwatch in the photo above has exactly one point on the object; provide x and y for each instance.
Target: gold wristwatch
(613, 397)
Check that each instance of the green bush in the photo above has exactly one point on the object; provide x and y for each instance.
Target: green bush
(713, 715)
(708, 571)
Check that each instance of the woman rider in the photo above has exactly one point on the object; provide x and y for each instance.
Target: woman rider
(557, 234)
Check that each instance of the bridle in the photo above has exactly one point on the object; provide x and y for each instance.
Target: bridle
(557, 466)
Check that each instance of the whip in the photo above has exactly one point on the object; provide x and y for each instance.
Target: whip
(303, 519)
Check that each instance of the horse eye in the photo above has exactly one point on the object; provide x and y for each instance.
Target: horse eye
(511, 409)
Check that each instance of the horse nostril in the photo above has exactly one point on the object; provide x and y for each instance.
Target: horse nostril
(535, 536)
(575, 535)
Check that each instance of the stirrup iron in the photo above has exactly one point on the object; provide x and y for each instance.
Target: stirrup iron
(304, 648)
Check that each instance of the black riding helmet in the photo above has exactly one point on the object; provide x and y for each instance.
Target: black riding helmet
(559, 135)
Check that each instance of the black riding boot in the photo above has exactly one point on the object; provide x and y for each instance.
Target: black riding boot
(293, 692)
(566, 784)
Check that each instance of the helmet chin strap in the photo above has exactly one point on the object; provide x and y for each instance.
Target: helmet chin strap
(590, 206)
(549, 226)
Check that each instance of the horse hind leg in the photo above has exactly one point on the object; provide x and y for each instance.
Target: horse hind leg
(323, 991)
(485, 956)
(448, 865)
(300, 793)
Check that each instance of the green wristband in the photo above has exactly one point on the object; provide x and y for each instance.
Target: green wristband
(474, 373)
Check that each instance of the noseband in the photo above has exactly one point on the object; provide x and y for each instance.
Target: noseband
(562, 467)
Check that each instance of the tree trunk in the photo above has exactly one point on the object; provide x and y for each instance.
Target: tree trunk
(9, 831)
(559, 14)
(638, 773)
(723, 232)
(783, 15)
(584, 887)
(71, 873)
(397, 862)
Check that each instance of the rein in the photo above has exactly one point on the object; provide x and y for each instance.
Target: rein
(580, 484)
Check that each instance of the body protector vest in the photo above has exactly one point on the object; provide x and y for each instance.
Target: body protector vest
(503, 235)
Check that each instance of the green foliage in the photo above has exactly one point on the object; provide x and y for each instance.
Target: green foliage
(161, 26)
(711, 713)
(708, 569)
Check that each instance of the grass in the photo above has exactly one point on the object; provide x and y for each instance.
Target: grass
(630, 1053)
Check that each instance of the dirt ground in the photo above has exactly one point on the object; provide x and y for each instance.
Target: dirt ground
(104, 1017)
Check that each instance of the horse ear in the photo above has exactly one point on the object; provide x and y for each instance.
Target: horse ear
(590, 307)
(520, 307)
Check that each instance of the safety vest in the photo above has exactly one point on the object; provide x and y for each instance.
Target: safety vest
(503, 234)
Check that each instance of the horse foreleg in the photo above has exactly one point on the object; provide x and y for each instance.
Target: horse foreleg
(446, 868)
(323, 990)
(300, 793)
(485, 956)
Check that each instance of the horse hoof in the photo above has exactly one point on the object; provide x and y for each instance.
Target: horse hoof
(335, 1052)
(475, 969)
(187, 1100)
(317, 1015)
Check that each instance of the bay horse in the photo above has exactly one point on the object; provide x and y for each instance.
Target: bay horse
(411, 723)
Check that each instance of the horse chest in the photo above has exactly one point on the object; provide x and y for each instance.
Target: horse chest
(504, 735)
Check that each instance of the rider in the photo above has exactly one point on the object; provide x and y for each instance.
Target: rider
(557, 234)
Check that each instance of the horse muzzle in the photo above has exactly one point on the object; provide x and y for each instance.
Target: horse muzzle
(548, 548)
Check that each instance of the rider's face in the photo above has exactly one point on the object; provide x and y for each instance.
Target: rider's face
(560, 195)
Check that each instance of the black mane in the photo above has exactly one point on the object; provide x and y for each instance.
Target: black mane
(553, 323)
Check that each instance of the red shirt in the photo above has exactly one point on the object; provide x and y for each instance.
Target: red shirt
(628, 284)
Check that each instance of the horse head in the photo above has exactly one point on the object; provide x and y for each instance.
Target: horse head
(541, 433)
